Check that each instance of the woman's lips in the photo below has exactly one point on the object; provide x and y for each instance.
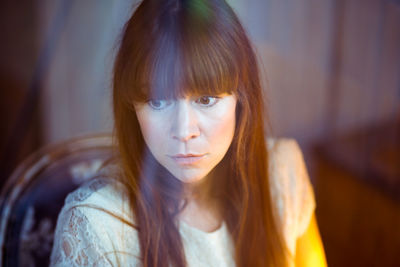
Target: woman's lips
(187, 159)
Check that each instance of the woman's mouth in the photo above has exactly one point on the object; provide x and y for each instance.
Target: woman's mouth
(187, 159)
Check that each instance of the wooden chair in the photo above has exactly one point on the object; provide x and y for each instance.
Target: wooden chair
(34, 195)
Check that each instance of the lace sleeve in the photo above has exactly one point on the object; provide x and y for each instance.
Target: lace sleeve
(291, 190)
(75, 243)
(304, 194)
(88, 235)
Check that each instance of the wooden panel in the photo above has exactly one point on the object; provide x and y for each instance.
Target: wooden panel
(358, 201)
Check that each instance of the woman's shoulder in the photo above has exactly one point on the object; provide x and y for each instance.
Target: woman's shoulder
(282, 146)
(284, 154)
(95, 217)
(104, 193)
(287, 169)
(286, 166)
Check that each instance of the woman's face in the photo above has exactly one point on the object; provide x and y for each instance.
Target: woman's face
(188, 136)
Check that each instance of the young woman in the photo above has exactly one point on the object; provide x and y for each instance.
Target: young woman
(195, 183)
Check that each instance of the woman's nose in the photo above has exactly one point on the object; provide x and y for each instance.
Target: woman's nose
(185, 123)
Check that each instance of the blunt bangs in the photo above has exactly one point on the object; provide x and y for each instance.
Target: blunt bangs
(173, 73)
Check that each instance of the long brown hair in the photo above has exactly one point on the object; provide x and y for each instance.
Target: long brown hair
(172, 48)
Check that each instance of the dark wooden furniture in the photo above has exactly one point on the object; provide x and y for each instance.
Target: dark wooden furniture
(357, 185)
(34, 195)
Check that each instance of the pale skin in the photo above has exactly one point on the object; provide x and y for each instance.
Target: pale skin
(189, 136)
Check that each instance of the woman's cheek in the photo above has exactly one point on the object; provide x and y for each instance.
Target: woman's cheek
(153, 130)
(224, 120)
(219, 126)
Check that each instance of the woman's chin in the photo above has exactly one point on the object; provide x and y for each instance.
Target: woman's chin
(190, 176)
(191, 180)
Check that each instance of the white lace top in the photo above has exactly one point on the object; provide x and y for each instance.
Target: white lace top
(88, 236)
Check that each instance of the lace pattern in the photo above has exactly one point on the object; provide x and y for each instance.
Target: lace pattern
(87, 234)
(77, 244)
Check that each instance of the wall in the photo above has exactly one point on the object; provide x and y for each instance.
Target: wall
(327, 66)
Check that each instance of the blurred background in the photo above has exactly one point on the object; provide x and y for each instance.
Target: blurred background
(331, 72)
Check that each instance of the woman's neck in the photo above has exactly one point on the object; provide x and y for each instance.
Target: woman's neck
(204, 218)
(201, 208)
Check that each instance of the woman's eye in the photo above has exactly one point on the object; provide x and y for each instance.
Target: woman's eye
(159, 103)
(207, 101)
